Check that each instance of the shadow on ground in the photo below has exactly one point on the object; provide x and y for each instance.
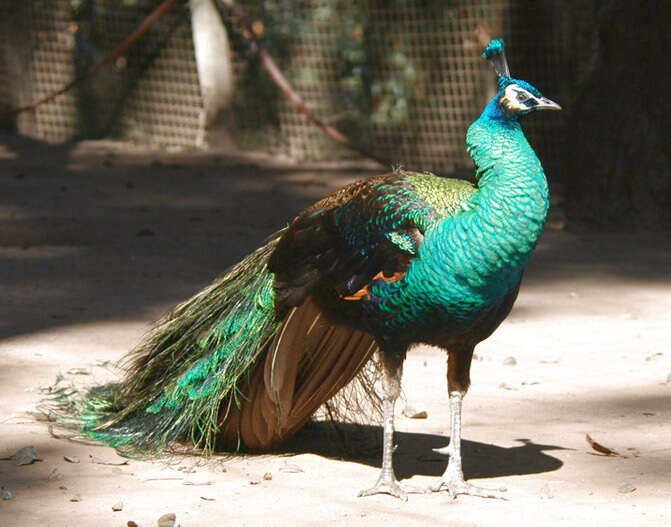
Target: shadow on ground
(414, 453)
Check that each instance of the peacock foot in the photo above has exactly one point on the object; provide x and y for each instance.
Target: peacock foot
(390, 486)
(456, 486)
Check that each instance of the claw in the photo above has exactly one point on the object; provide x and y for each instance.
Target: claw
(393, 488)
(454, 487)
(386, 487)
(445, 451)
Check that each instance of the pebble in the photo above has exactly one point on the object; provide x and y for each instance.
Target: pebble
(546, 492)
(25, 456)
(507, 386)
(267, 476)
(7, 494)
(168, 520)
(117, 506)
(626, 488)
(412, 413)
(509, 361)
(55, 475)
(76, 497)
(291, 468)
(71, 459)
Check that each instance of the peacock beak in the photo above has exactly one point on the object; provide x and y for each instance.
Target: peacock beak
(546, 104)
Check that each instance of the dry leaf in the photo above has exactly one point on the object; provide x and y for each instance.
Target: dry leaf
(601, 448)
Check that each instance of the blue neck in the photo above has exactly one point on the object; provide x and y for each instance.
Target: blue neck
(490, 244)
(493, 111)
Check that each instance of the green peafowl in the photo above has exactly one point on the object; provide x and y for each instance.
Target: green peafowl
(380, 265)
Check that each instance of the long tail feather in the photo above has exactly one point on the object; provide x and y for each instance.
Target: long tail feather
(225, 369)
(194, 358)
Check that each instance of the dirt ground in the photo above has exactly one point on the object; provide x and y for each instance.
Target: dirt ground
(99, 239)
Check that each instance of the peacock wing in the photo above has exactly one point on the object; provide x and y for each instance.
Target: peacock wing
(371, 228)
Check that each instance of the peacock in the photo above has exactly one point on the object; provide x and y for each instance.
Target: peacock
(378, 266)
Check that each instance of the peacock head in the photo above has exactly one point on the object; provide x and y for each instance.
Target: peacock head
(515, 97)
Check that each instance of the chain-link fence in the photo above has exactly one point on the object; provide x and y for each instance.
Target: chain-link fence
(402, 78)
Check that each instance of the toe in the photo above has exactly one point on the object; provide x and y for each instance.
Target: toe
(386, 487)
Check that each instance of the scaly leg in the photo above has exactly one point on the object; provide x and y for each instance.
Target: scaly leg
(458, 381)
(453, 478)
(391, 385)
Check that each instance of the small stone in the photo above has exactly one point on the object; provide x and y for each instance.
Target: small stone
(509, 361)
(76, 498)
(507, 386)
(626, 488)
(131, 523)
(71, 459)
(55, 475)
(546, 492)
(167, 520)
(291, 468)
(25, 456)
(7, 494)
(254, 481)
(412, 413)
(268, 476)
(117, 506)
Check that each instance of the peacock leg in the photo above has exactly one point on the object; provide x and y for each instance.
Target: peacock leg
(453, 480)
(392, 367)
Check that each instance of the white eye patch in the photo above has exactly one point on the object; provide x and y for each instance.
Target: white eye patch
(517, 98)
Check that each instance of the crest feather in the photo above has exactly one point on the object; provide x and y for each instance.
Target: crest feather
(494, 53)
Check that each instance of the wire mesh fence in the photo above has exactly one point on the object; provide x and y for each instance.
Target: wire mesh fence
(402, 78)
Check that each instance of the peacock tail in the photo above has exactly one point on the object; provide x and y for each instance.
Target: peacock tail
(225, 369)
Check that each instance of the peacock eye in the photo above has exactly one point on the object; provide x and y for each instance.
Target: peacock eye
(521, 96)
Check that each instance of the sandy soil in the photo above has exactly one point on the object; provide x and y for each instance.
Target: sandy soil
(97, 240)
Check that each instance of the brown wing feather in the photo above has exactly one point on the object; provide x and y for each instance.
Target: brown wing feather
(313, 251)
(304, 366)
